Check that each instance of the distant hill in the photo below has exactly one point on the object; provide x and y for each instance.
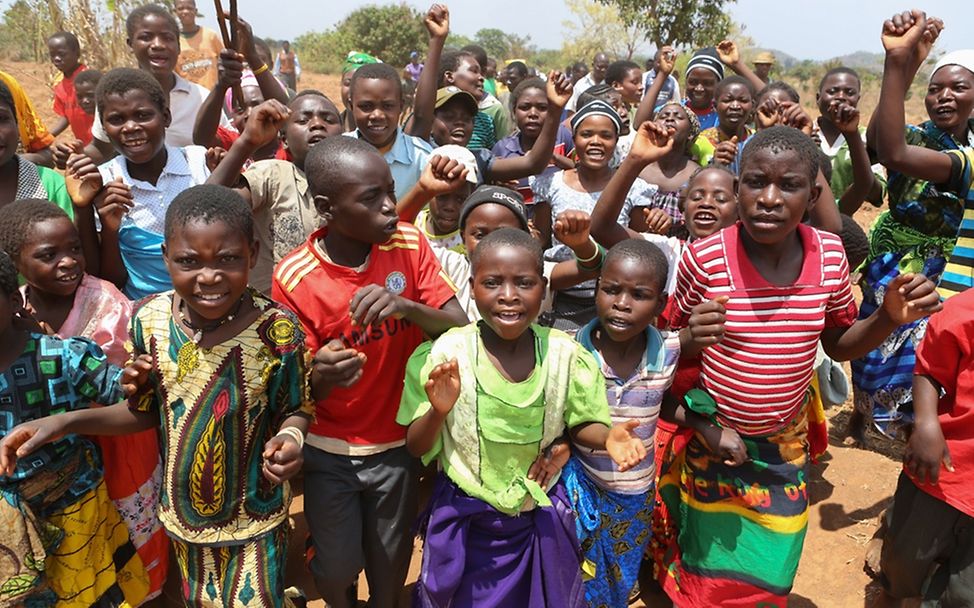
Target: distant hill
(860, 60)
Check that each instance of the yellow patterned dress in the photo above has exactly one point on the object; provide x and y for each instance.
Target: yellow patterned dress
(218, 407)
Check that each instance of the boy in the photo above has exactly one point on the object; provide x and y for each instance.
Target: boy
(277, 190)
(199, 47)
(376, 95)
(65, 53)
(221, 373)
(488, 103)
(485, 400)
(366, 288)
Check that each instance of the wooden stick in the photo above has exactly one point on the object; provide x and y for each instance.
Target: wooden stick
(233, 24)
(223, 25)
(230, 42)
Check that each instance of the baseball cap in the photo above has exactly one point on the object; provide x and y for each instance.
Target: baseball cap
(445, 94)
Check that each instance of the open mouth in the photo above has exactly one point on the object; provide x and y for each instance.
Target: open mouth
(945, 111)
(704, 219)
(209, 299)
(508, 317)
(595, 154)
(135, 144)
(617, 324)
(159, 61)
(69, 278)
(317, 137)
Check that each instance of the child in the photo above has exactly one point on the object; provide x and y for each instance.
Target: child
(221, 373)
(85, 84)
(460, 69)
(637, 363)
(366, 288)
(734, 102)
(153, 36)
(352, 62)
(627, 78)
(703, 73)
(64, 542)
(841, 85)
(484, 400)
(133, 190)
(376, 95)
(529, 105)
(440, 220)
(761, 293)
(33, 134)
(199, 47)
(277, 190)
(20, 178)
(66, 301)
(65, 53)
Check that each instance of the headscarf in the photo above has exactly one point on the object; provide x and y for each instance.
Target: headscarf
(691, 118)
(707, 59)
(596, 107)
(963, 58)
(355, 60)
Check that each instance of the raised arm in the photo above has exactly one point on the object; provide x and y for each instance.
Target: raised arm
(441, 175)
(437, 23)
(730, 56)
(846, 118)
(667, 61)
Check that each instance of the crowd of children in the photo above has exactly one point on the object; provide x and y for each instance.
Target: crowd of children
(578, 334)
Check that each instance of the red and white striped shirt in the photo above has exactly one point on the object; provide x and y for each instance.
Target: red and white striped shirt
(759, 373)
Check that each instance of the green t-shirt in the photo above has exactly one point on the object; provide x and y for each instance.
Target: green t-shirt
(842, 174)
(498, 428)
(502, 120)
(57, 192)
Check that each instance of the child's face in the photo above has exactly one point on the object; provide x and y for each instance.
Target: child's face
(186, 13)
(452, 124)
(950, 97)
(675, 117)
(774, 193)
(595, 141)
(347, 89)
(631, 87)
(778, 95)
(376, 105)
(445, 209)
(364, 208)
(484, 219)
(734, 106)
(135, 125)
(312, 119)
(701, 85)
(84, 92)
(468, 77)
(508, 290)
(530, 111)
(155, 45)
(615, 100)
(710, 202)
(841, 87)
(628, 299)
(252, 97)
(51, 259)
(209, 263)
(63, 56)
(9, 134)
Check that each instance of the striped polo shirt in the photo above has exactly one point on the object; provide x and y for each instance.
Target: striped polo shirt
(635, 398)
(958, 275)
(760, 372)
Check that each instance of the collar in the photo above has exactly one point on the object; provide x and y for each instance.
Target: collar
(653, 360)
(181, 84)
(401, 150)
(512, 143)
(740, 269)
(176, 164)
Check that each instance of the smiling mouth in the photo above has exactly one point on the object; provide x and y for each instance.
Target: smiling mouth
(135, 143)
(704, 218)
(209, 298)
(508, 316)
(70, 278)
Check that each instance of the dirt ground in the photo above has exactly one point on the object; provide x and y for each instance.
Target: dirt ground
(849, 488)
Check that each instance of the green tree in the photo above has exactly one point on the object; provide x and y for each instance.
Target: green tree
(676, 22)
(494, 41)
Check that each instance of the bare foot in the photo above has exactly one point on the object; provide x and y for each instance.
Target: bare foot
(856, 431)
(874, 549)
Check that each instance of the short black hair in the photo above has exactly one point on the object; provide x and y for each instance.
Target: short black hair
(377, 71)
(599, 91)
(735, 79)
(855, 242)
(778, 85)
(618, 70)
(122, 80)
(478, 53)
(8, 275)
(524, 85)
(518, 67)
(310, 93)
(509, 237)
(779, 139)
(839, 70)
(450, 62)
(146, 10)
(68, 37)
(327, 163)
(648, 255)
(19, 217)
(88, 76)
(209, 204)
(7, 99)
(825, 165)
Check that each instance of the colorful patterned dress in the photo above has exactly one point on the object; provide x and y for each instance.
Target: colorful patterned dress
(218, 407)
(62, 542)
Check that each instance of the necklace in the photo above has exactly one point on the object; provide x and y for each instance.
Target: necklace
(188, 357)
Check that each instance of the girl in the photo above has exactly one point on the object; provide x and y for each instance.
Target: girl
(918, 233)
(734, 101)
(595, 127)
(66, 301)
(20, 178)
(761, 294)
(460, 69)
(221, 374)
(132, 191)
(529, 106)
(637, 363)
(63, 541)
(485, 400)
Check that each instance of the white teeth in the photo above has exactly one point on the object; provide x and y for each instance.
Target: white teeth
(209, 297)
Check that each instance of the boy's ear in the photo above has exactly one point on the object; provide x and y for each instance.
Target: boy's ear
(323, 206)
(661, 305)
(254, 250)
(816, 190)
(167, 117)
(165, 252)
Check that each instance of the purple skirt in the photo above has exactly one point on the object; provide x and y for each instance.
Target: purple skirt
(475, 555)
